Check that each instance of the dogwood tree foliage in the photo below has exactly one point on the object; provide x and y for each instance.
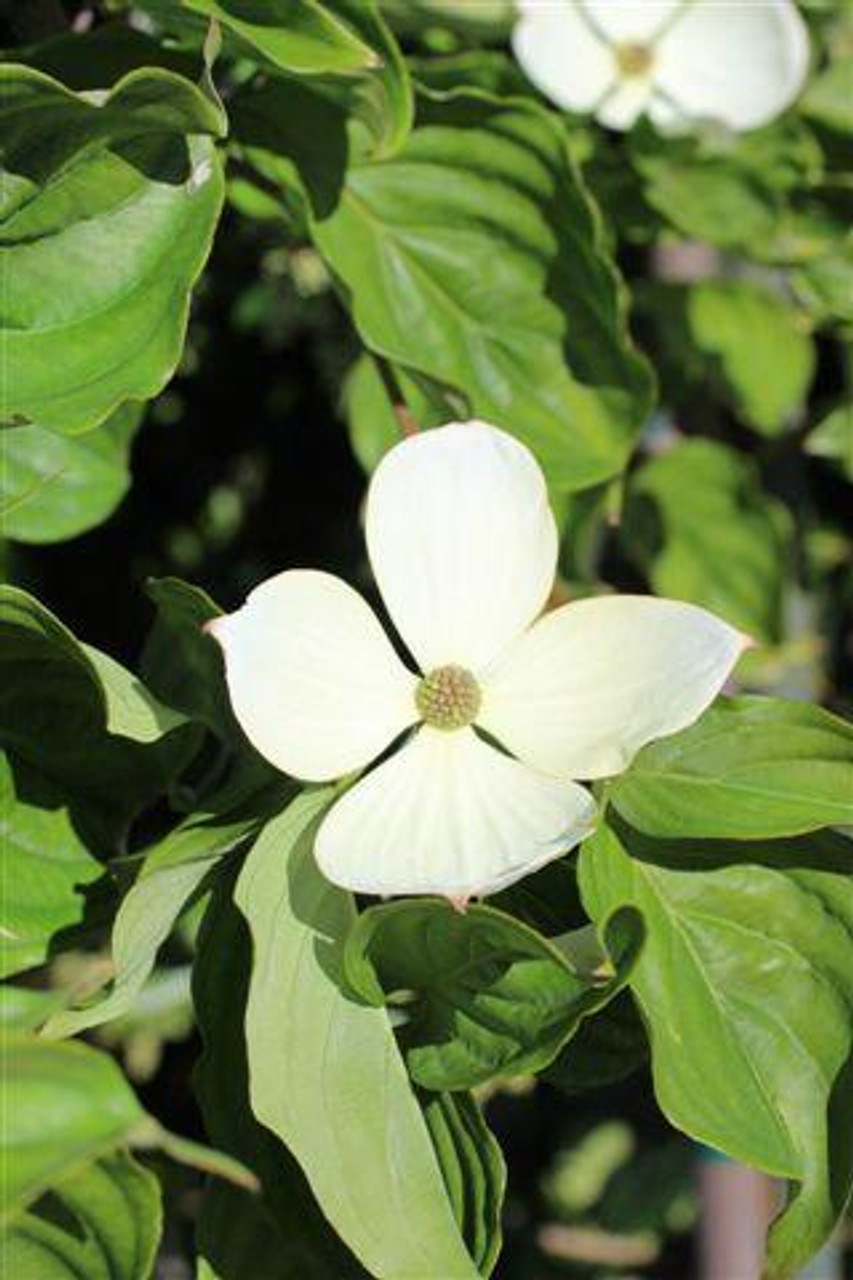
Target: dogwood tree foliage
(609, 240)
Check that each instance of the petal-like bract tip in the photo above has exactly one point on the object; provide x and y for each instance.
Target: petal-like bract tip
(215, 627)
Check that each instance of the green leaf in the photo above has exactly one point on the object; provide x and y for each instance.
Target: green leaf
(825, 287)
(347, 38)
(82, 721)
(374, 428)
(473, 1170)
(325, 1074)
(759, 347)
(115, 195)
(33, 635)
(748, 769)
(302, 36)
(832, 438)
(65, 1105)
(475, 258)
(47, 871)
(280, 1233)
(723, 549)
(484, 994)
(180, 662)
(171, 874)
(829, 97)
(55, 487)
(746, 986)
(102, 1224)
(25, 1008)
(730, 189)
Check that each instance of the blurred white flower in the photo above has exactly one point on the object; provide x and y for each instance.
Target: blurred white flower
(738, 62)
(464, 549)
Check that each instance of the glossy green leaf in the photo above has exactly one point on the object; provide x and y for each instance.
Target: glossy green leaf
(82, 721)
(748, 769)
(723, 549)
(746, 986)
(64, 1106)
(48, 874)
(172, 872)
(280, 1233)
(117, 195)
(832, 438)
(55, 487)
(484, 995)
(324, 1070)
(472, 257)
(473, 1170)
(342, 38)
(759, 347)
(102, 1224)
(303, 36)
(475, 257)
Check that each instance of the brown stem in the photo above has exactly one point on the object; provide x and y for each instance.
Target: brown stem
(406, 420)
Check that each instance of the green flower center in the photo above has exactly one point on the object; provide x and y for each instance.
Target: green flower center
(448, 698)
(634, 59)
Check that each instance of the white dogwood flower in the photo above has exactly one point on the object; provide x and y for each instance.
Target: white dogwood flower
(738, 62)
(463, 546)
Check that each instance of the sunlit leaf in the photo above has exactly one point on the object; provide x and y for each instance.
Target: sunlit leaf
(280, 1233)
(746, 986)
(325, 1074)
(340, 38)
(116, 195)
(749, 769)
(25, 1008)
(65, 1105)
(760, 347)
(474, 257)
(48, 873)
(303, 36)
(54, 487)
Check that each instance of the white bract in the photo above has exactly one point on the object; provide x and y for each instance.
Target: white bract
(738, 62)
(463, 545)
